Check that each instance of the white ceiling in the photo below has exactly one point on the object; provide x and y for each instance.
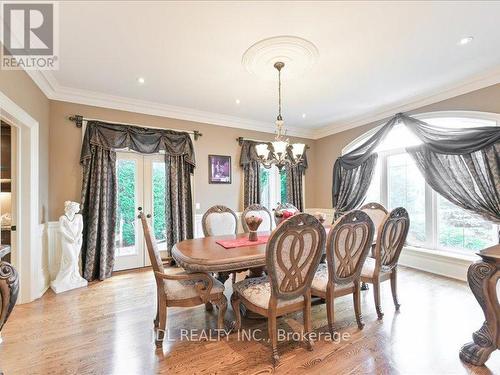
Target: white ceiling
(375, 58)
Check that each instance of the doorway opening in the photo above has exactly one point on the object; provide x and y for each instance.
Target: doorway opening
(7, 193)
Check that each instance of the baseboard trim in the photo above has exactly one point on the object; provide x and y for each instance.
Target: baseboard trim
(444, 264)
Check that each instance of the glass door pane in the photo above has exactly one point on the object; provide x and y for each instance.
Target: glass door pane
(128, 234)
(158, 204)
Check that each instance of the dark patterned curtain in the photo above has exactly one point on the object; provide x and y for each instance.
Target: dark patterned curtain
(249, 161)
(294, 177)
(99, 213)
(178, 200)
(460, 164)
(470, 180)
(98, 159)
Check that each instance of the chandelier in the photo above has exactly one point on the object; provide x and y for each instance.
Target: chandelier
(282, 152)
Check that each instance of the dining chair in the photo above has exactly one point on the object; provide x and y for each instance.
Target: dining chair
(286, 207)
(376, 211)
(347, 247)
(257, 210)
(219, 221)
(390, 240)
(176, 287)
(292, 256)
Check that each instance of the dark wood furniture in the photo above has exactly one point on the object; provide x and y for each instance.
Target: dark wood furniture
(391, 237)
(293, 253)
(176, 287)
(9, 289)
(347, 247)
(483, 277)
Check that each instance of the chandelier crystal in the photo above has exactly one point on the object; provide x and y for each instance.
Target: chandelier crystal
(282, 151)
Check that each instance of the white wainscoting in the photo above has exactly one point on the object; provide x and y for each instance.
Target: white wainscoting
(43, 279)
(54, 247)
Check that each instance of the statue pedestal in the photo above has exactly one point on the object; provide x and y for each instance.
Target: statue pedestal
(65, 284)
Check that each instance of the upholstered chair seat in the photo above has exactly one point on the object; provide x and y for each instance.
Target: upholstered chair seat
(369, 268)
(258, 292)
(320, 281)
(184, 289)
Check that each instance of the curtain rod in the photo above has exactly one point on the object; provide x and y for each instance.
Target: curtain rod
(78, 120)
(241, 139)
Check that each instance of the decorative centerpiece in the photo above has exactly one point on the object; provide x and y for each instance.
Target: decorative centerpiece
(282, 215)
(253, 223)
(320, 216)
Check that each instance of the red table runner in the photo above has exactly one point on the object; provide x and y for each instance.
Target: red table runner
(242, 241)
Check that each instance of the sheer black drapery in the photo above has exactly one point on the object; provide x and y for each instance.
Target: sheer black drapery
(460, 164)
(99, 187)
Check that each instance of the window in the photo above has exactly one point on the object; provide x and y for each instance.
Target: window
(406, 188)
(272, 186)
(435, 222)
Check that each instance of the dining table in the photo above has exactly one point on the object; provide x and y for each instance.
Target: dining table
(206, 255)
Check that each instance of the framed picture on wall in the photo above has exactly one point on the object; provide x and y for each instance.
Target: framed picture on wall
(219, 169)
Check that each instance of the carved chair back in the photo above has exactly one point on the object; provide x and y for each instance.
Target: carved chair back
(219, 221)
(391, 237)
(293, 253)
(347, 246)
(376, 211)
(154, 254)
(257, 210)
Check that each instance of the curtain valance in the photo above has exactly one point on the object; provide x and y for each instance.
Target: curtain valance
(460, 164)
(143, 140)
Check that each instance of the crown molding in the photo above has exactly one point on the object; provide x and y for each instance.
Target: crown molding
(50, 87)
(477, 82)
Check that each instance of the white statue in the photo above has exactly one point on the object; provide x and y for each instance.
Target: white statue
(70, 229)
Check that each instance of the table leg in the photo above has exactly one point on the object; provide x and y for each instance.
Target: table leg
(483, 277)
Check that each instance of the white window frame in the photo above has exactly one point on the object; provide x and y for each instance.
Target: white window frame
(431, 197)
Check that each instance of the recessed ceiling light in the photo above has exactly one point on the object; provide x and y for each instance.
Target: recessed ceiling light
(237, 101)
(304, 115)
(465, 40)
(141, 80)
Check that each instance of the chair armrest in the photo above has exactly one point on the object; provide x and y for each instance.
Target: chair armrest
(203, 291)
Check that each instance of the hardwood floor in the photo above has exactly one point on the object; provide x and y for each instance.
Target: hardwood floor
(107, 329)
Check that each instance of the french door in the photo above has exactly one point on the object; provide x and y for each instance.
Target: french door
(141, 183)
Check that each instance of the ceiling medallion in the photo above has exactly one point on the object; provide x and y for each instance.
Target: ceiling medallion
(297, 53)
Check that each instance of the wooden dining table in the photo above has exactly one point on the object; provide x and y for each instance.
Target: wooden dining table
(206, 255)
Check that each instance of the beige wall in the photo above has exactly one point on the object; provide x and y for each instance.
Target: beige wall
(65, 142)
(326, 150)
(19, 87)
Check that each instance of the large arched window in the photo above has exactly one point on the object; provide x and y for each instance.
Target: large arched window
(436, 223)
